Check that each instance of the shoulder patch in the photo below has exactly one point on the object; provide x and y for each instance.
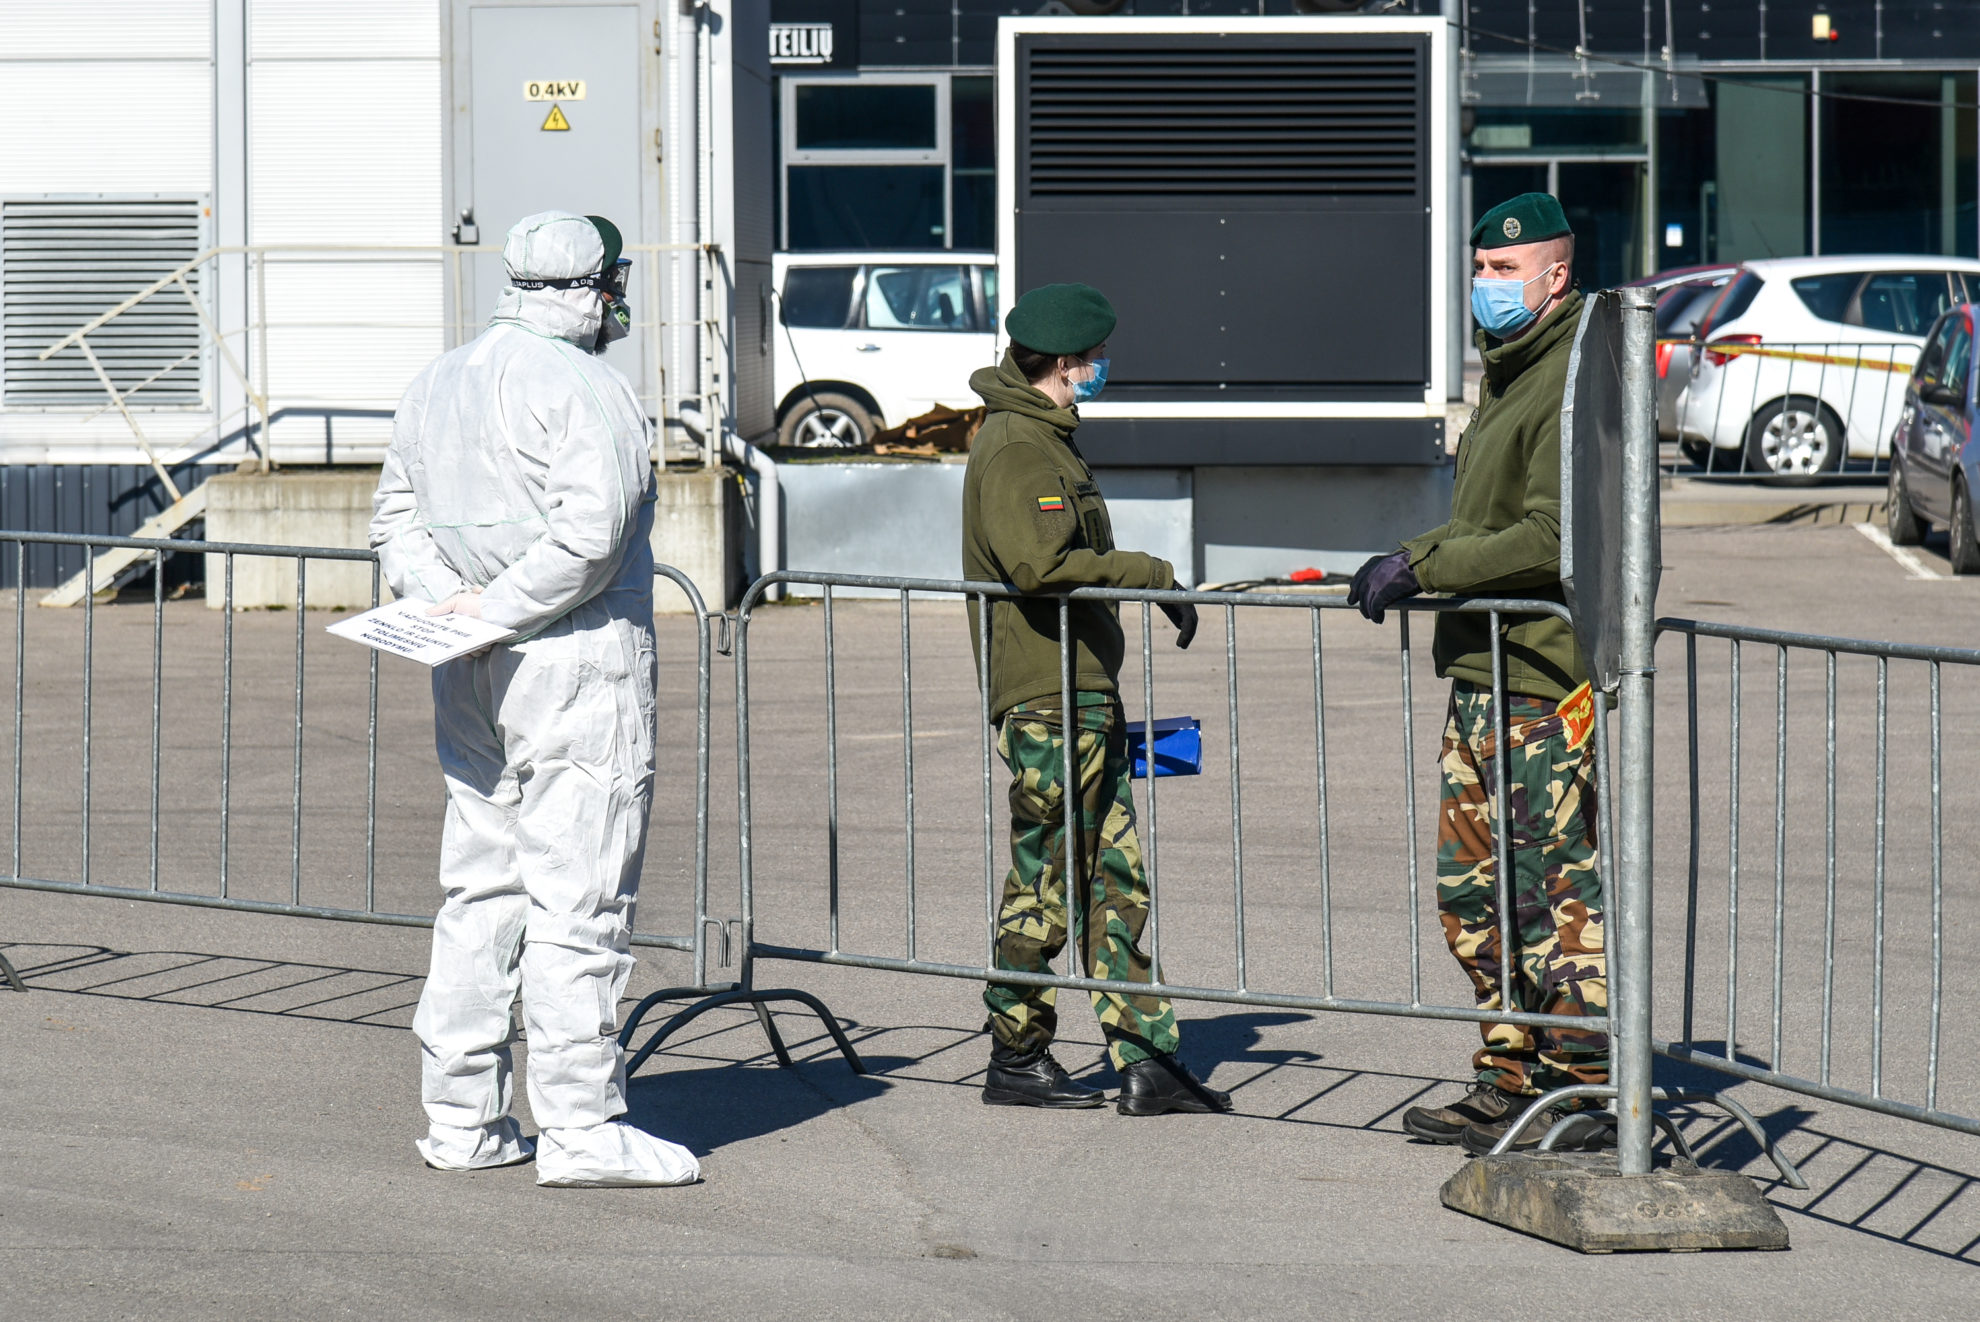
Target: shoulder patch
(1051, 504)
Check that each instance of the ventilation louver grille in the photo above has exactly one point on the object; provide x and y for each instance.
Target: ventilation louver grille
(1231, 120)
(62, 263)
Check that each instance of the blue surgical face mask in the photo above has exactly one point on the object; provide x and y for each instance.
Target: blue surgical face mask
(1087, 391)
(1499, 306)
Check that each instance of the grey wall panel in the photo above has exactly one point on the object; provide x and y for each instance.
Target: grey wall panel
(1277, 442)
(897, 519)
(1265, 523)
(104, 499)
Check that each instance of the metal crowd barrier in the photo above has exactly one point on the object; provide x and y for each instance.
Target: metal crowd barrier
(1855, 892)
(338, 663)
(1848, 388)
(1324, 995)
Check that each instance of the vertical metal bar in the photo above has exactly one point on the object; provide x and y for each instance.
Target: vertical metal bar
(1237, 791)
(704, 661)
(1829, 879)
(907, 760)
(745, 850)
(1071, 872)
(371, 767)
(991, 903)
(1691, 876)
(157, 698)
(89, 695)
(1938, 900)
(831, 773)
(1148, 760)
(1780, 847)
(1877, 958)
(226, 717)
(1502, 826)
(1732, 870)
(1320, 779)
(20, 685)
(1629, 990)
(296, 786)
(1409, 808)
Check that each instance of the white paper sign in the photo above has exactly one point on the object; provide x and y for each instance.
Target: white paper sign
(405, 629)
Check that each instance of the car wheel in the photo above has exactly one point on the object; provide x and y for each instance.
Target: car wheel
(1793, 442)
(827, 421)
(1900, 520)
(1965, 550)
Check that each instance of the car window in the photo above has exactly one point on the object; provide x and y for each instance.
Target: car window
(918, 298)
(1932, 358)
(1681, 308)
(1734, 300)
(1902, 302)
(1959, 357)
(818, 296)
(1827, 296)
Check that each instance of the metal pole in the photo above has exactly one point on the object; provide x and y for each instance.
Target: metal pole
(1629, 1006)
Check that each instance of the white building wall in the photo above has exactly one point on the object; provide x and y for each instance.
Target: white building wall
(343, 122)
(344, 130)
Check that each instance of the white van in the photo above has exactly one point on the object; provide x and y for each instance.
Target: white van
(868, 340)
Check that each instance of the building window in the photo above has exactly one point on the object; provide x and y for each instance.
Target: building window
(887, 161)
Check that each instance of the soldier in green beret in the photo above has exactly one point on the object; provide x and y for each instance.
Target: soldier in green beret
(1033, 518)
(1504, 539)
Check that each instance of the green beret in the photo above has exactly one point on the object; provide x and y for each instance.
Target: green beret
(1061, 319)
(1528, 218)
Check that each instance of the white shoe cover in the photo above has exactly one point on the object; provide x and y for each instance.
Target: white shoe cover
(611, 1155)
(448, 1148)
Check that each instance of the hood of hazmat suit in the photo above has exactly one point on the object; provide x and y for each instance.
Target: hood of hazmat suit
(520, 468)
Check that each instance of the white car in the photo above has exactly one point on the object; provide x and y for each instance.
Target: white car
(1804, 360)
(868, 340)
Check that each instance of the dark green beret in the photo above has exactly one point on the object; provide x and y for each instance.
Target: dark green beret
(614, 243)
(1061, 319)
(1528, 218)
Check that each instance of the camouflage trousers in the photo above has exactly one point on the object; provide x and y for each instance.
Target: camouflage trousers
(1113, 895)
(1561, 964)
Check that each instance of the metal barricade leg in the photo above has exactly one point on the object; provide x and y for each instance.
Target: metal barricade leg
(8, 972)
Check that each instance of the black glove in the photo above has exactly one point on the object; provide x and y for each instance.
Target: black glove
(1183, 616)
(1381, 583)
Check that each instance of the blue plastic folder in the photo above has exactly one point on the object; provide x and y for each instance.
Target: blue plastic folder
(1178, 747)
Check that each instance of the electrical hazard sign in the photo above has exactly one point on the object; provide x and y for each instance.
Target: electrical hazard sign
(555, 121)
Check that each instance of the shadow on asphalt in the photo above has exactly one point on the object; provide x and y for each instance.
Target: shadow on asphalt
(377, 998)
(702, 1096)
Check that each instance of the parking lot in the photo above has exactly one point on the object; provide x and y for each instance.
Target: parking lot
(212, 1114)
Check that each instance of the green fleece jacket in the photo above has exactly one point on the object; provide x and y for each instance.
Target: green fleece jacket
(1033, 518)
(1504, 536)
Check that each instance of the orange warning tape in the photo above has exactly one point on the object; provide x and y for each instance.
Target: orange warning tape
(1725, 350)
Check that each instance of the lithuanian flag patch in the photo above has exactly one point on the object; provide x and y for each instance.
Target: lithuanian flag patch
(1051, 504)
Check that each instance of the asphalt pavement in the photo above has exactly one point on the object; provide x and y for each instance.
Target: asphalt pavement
(211, 1114)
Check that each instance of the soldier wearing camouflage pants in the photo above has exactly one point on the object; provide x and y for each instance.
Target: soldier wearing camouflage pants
(1504, 539)
(1033, 518)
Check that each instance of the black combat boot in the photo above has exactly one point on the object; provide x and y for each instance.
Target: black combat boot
(1587, 1131)
(1033, 1078)
(1163, 1083)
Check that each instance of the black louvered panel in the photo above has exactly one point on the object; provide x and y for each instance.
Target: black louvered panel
(1227, 119)
(63, 263)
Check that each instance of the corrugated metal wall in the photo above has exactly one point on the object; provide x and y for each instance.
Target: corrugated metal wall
(110, 499)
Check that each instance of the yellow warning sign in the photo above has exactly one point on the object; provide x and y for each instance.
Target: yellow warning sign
(556, 123)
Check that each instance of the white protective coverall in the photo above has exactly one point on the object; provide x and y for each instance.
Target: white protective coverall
(520, 467)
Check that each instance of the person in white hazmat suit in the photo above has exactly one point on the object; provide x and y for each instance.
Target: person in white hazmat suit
(518, 489)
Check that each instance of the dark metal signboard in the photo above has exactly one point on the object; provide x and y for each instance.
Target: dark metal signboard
(1592, 487)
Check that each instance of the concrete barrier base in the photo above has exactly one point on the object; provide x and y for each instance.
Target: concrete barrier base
(1581, 1201)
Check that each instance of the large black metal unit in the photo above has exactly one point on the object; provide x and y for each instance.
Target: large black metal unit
(1265, 201)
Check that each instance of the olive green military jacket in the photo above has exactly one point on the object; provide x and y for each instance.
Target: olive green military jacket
(1504, 536)
(1034, 519)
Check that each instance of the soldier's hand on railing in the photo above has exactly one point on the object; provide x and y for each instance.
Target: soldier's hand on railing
(1381, 583)
(1183, 616)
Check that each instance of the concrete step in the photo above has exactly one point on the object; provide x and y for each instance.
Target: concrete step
(1722, 502)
